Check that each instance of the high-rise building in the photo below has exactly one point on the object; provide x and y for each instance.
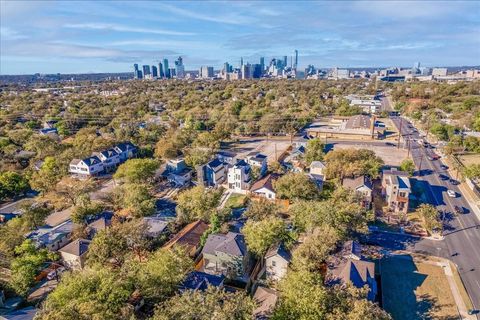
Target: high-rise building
(136, 72)
(154, 72)
(179, 68)
(241, 62)
(285, 61)
(226, 67)
(161, 74)
(146, 70)
(295, 65)
(246, 71)
(206, 72)
(166, 68)
(416, 65)
(257, 71)
(262, 63)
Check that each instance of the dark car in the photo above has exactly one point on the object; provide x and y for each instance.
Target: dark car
(458, 210)
(444, 167)
(443, 177)
(454, 182)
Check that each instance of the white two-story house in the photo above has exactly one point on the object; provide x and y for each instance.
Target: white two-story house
(86, 167)
(396, 189)
(239, 177)
(110, 158)
(258, 160)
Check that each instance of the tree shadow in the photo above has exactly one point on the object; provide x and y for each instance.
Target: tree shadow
(400, 281)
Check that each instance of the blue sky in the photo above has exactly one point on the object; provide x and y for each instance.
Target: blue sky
(109, 36)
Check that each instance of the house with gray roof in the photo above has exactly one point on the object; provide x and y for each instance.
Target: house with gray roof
(110, 158)
(197, 280)
(52, 238)
(126, 151)
(359, 273)
(397, 189)
(156, 225)
(277, 260)
(74, 254)
(90, 166)
(225, 254)
(363, 187)
(214, 173)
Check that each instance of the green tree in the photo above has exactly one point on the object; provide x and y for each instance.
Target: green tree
(12, 184)
(47, 177)
(351, 162)
(407, 165)
(70, 190)
(34, 213)
(261, 209)
(12, 235)
(160, 274)
(90, 294)
(114, 245)
(430, 217)
(315, 249)
(137, 170)
(197, 203)
(134, 200)
(341, 211)
(85, 208)
(472, 171)
(213, 228)
(26, 266)
(213, 303)
(314, 151)
(296, 186)
(261, 235)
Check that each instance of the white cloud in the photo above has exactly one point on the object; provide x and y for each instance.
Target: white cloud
(121, 28)
(235, 19)
(10, 34)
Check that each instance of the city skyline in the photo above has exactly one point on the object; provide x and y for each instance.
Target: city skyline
(66, 37)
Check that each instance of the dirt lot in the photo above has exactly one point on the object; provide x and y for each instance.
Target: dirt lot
(414, 288)
(268, 147)
(390, 154)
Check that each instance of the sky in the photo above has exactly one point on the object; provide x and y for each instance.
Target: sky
(109, 36)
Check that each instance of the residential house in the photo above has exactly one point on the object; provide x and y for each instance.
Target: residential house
(90, 166)
(264, 187)
(351, 250)
(178, 172)
(156, 225)
(359, 273)
(266, 300)
(110, 159)
(99, 223)
(238, 177)
(225, 254)
(317, 179)
(214, 173)
(126, 151)
(303, 141)
(52, 238)
(318, 168)
(396, 188)
(295, 155)
(197, 280)
(227, 157)
(74, 254)
(257, 160)
(362, 187)
(189, 237)
(277, 260)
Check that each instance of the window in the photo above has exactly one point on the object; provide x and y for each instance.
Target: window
(274, 263)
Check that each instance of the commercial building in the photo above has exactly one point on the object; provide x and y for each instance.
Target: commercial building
(206, 72)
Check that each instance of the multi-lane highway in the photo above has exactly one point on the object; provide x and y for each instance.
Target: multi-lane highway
(461, 242)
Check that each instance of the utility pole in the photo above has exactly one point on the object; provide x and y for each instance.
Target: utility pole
(420, 166)
(400, 133)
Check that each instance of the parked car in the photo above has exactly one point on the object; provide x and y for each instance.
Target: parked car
(458, 210)
(444, 167)
(443, 177)
(454, 182)
(430, 158)
(451, 193)
(54, 274)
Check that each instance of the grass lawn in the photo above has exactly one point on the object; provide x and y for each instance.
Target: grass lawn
(468, 159)
(235, 201)
(415, 289)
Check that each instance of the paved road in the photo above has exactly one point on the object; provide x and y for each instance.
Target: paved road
(462, 232)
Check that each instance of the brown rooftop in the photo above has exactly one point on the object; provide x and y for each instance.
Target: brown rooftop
(189, 236)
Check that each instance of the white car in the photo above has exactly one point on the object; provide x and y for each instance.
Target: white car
(451, 193)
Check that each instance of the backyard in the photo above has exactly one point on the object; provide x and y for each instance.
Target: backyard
(415, 287)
